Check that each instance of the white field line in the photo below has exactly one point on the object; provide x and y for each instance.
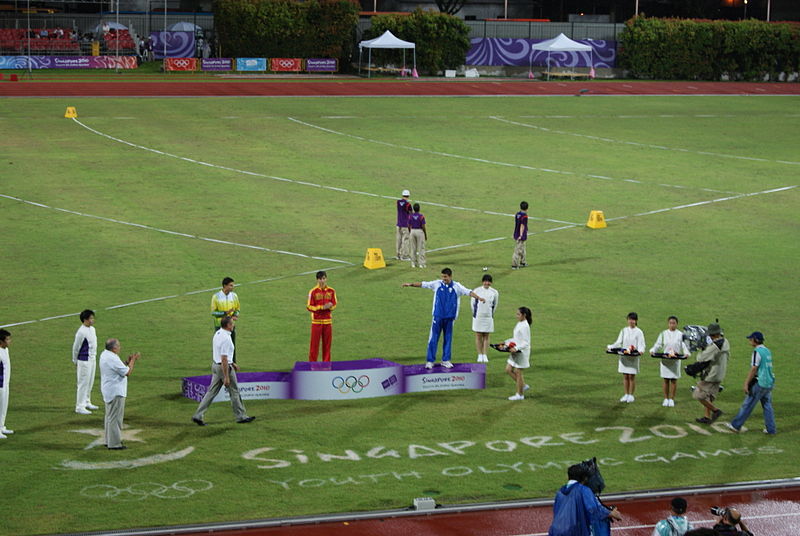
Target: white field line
(292, 181)
(695, 523)
(637, 144)
(175, 233)
(492, 162)
(562, 228)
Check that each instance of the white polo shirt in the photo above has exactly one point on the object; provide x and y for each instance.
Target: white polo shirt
(113, 376)
(221, 345)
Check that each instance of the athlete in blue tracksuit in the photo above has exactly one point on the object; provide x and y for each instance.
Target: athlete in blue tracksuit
(445, 310)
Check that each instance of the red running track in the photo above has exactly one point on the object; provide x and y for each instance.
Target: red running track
(767, 512)
(342, 88)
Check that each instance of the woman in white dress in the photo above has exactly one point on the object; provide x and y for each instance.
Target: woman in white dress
(483, 316)
(631, 341)
(670, 342)
(519, 347)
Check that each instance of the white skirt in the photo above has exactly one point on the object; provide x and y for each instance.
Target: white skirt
(483, 324)
(671, 369)
(519, 360)
(628, 364)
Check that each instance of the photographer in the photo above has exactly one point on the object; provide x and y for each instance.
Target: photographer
(716, 354)
(728, 519)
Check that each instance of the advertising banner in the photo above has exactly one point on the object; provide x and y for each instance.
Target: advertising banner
(180, 64)
(252, 386)
(496, 51)
(322, 65)
(286, 64)
(68, 62)
(251, 64)
(176, 44)
(216, 64)
(345, 380)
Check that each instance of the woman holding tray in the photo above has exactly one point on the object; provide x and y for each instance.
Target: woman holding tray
(670, 343)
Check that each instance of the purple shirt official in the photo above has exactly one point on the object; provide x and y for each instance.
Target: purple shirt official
(416, 220)
(403, 212)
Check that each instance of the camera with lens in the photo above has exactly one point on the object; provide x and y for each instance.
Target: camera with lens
(718, 511)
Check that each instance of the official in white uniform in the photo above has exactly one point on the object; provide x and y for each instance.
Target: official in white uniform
(631, 338)
(84, 356)
(670, 342)
(519, 347)
(114, 386)
(5, 380)
(483, 316)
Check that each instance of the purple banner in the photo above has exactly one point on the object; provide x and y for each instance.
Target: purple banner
(216, 64)
(68, 62)
(178, 45)
(322, 65)
(517, 52)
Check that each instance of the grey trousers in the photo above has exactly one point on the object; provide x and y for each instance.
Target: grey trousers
(519, 257)
(115, 411)
(213, 389)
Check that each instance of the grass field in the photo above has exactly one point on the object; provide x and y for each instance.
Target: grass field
(733, 255)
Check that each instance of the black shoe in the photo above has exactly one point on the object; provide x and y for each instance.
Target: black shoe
(703, 420)
(246, 420)
(523, 264)
(715, 415)
(121, 447)
(198, 422)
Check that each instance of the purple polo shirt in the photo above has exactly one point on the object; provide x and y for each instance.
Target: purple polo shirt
(520, 219)
(403, 211)
(416, 220)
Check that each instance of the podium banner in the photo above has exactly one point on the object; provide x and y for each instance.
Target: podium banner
(180, 64)
(252, 386)
(286, 64)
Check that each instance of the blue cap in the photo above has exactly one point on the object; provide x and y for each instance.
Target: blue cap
(756, 335)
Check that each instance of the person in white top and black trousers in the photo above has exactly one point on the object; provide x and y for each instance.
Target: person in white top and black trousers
(84, 356)
(223, 373)
(114, 385)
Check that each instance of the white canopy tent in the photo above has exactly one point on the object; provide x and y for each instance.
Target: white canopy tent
(387, 40)
(562, 43)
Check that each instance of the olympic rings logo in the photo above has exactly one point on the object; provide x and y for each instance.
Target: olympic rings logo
(286, 63)
(182, 489)
(350, 384)
(180, 63)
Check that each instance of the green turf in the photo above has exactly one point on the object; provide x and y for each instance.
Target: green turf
(735, 260)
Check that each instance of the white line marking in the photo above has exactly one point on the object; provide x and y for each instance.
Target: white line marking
(472, 158)
(167, 231)
(284, 179)
(637, 144)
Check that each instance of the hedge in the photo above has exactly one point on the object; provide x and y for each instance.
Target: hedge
(441, 40)
(680, 49)
(286, 29)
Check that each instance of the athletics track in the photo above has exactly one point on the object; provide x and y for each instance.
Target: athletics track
(362, 88)
(769, 508)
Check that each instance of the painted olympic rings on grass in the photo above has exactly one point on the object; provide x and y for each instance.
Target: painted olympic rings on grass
(350, 384)
(181, 489)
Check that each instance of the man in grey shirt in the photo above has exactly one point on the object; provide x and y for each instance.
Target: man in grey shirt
(716, 353)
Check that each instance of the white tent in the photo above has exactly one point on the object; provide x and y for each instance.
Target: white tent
(387, 40)
(185, 27)
(562, 43)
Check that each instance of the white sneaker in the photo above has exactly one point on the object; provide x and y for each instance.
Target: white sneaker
(447, 364)
(413, 265)
(92, 406)
(526, 387)
(422, 266)
(624, 398)
(429, 365)
(6, 431)
(665, 403)
(3, 436)
(671, 403)
(516, 397)
(83, 411)
(630, 399)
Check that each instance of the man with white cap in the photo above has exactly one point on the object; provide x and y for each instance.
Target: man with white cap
(402, 233)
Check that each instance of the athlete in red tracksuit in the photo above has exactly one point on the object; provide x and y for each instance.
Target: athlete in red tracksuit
(321, 303)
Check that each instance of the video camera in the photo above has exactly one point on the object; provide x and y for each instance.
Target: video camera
(696, 337)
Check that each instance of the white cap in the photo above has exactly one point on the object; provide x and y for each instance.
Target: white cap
(406, 193)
